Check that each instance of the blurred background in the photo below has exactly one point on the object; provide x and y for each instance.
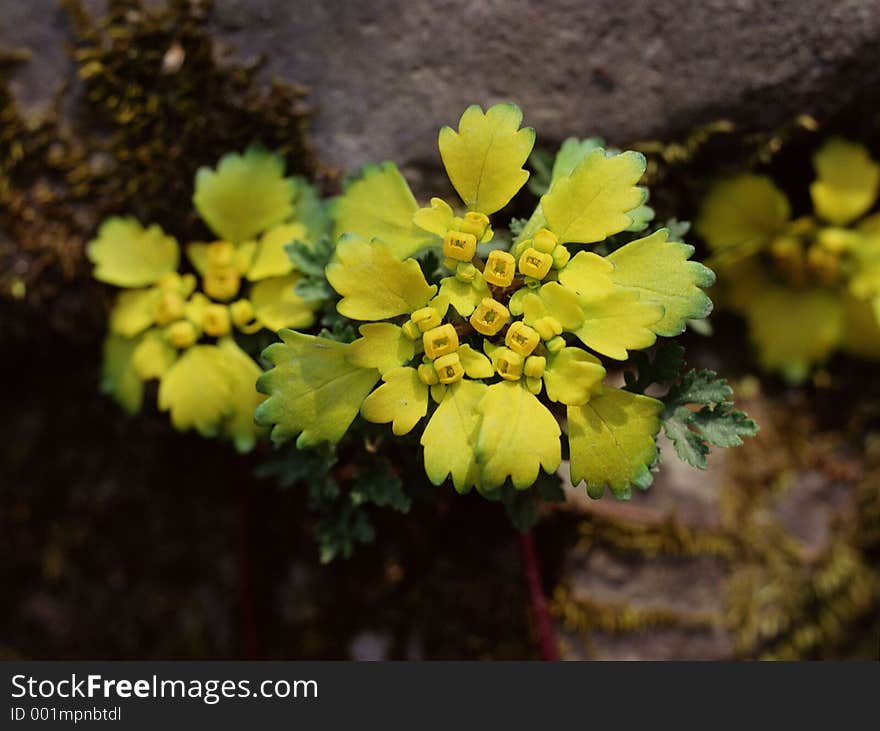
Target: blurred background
(123, 539)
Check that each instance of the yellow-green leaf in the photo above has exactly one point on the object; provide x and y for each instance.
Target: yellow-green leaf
(595, 200)
(436, 218)
(587, 273)
(484, 158)
(618, 322)
(450, 436)
(794, 330)
(572, 376)
(119, 378)
(242, 373)
(661, 273)
(553, 300)
(382, 346)
(744, 212)
(245, 195)
(277, 305)
(128, 255)
(402, 400)
(271, 259)
(517, 437)
(476, 365)
(464, 296)
(847, 181)
(380, 205)
(314, 390)
(197, 391)
(612, 440)
(374, 284)
(153, 356)
(134, 311)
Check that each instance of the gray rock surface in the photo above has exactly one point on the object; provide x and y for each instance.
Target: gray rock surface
(386, 74)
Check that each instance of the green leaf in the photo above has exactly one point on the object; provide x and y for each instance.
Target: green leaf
(382, 346)
(451, 434)
(373, 283)
(128, 255)
(378, 484)
(612, 440)
(338, 532)
(517, 436)
(402, 400)
(665, 367)
(661, 273)
(311, 259)
(571, 153)
(119, 378)
(484, 158)
(314, 390)
(245, 195)
(380, 205)
(594, 201)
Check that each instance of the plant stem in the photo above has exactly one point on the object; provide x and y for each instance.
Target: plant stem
(537, 601)
(245, 587)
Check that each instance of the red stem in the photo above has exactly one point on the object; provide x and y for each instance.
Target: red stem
(245, 587)
(537, 600)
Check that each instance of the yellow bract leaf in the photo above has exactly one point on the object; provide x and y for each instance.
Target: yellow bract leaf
(271, 259)
(484, 158)
(134, 311)
(197, 391)
(553, 300)
(153, 356)
(373, 283)
(862, 327)
(382, 346)
(402, 400)
(573, 376)
(612, 439)
(464, 296)
(245, 195)
(436, 218)
(744, 212)
(128, 255)
(661, 274)
(314, 390)
(618, 322)
(517, 437)
(847, 181)
(587, 273)
(276, 304)
(118, 375)
(242, 373)
(380, 206)
(476, 365)
(793, 330)
(593, 202)
(450, 436)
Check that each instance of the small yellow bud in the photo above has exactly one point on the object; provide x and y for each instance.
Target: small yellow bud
(521, 338)
(475, 224)
(222, 283)
(242, 312)
(500, 268)
(534, 366)
(554, 345)
(520, 248)
(824, 264)
(561, 255)
(547, 327)
(440, 341)
(182, 334)
(426, 318)
(449, 368)
(534, 263)
(220, 254)
(411, 330)
(215, 320)
(169, 308)
(545, 241)
(489, 317)
(509, 364)
(170, 282)
(459, 246)
(465, 272)
(534, 385)
(428, 374)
